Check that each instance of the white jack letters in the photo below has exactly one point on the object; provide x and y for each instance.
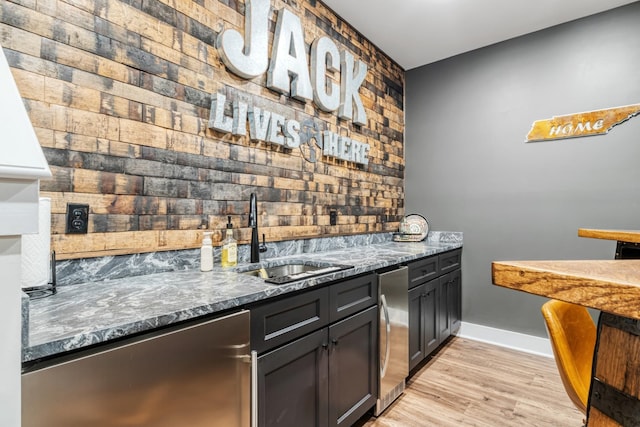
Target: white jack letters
(247, 57)
(325, 57)
(352, 77)
(332, 81)
(289, 59)
(288, 69)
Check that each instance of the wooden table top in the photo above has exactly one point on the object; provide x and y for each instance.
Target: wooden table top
(632, 236)
(608, 285)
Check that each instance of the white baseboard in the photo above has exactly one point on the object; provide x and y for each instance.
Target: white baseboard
(503, 338)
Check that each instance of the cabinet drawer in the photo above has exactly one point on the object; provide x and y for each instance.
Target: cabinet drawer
(278, 322)
(422, 270)
(351, 296)
(450, 261)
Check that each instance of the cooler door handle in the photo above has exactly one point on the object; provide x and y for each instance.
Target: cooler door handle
(387, 321)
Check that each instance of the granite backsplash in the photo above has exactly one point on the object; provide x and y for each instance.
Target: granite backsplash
(72, 272)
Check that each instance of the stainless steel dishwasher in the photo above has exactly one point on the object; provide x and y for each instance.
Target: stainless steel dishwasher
(198, 375)
(393, 286)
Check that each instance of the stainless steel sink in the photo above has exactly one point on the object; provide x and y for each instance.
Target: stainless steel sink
(282, 270)
(290, 272)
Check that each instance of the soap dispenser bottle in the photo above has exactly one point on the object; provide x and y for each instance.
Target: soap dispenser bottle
(229, 247)
(206, 253)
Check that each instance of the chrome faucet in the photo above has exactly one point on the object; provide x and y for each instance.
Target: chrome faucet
(256, 248)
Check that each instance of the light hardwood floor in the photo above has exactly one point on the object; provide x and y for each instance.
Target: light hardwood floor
(469, 383)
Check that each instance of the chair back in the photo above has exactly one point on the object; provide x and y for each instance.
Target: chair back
(573, 337)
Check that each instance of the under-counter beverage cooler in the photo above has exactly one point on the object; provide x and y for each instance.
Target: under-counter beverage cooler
(393, 287)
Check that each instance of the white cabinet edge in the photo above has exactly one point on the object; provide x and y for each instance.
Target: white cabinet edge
(18, 207)
(21, 156)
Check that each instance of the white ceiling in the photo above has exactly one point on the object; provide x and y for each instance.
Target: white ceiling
(418, 32)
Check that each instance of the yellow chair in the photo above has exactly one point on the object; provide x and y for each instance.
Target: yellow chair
(573, 337)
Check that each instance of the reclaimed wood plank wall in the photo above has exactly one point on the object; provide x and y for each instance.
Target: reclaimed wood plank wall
(119, 93)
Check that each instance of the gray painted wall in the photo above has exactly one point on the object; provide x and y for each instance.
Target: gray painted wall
(468, 168)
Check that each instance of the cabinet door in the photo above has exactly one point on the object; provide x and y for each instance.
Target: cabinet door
(423, 321)
(416, 331)
(293, 385)
(430, 308)
(454, 285)
(444, 319)
(353, 367)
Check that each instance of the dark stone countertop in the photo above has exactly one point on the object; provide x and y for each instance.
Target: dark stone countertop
(90, 313)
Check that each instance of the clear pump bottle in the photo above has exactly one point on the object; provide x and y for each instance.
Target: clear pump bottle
(229, 247)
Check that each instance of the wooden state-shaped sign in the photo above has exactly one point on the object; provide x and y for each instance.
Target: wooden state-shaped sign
(589, 123)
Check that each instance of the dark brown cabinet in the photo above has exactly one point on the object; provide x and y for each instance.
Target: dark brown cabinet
(293, 383)
(423, 321)
(452, 282)
(423, 270)
(326, 376)
(449, 261)
(353, 366)
(278, 322)
(435, 298)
